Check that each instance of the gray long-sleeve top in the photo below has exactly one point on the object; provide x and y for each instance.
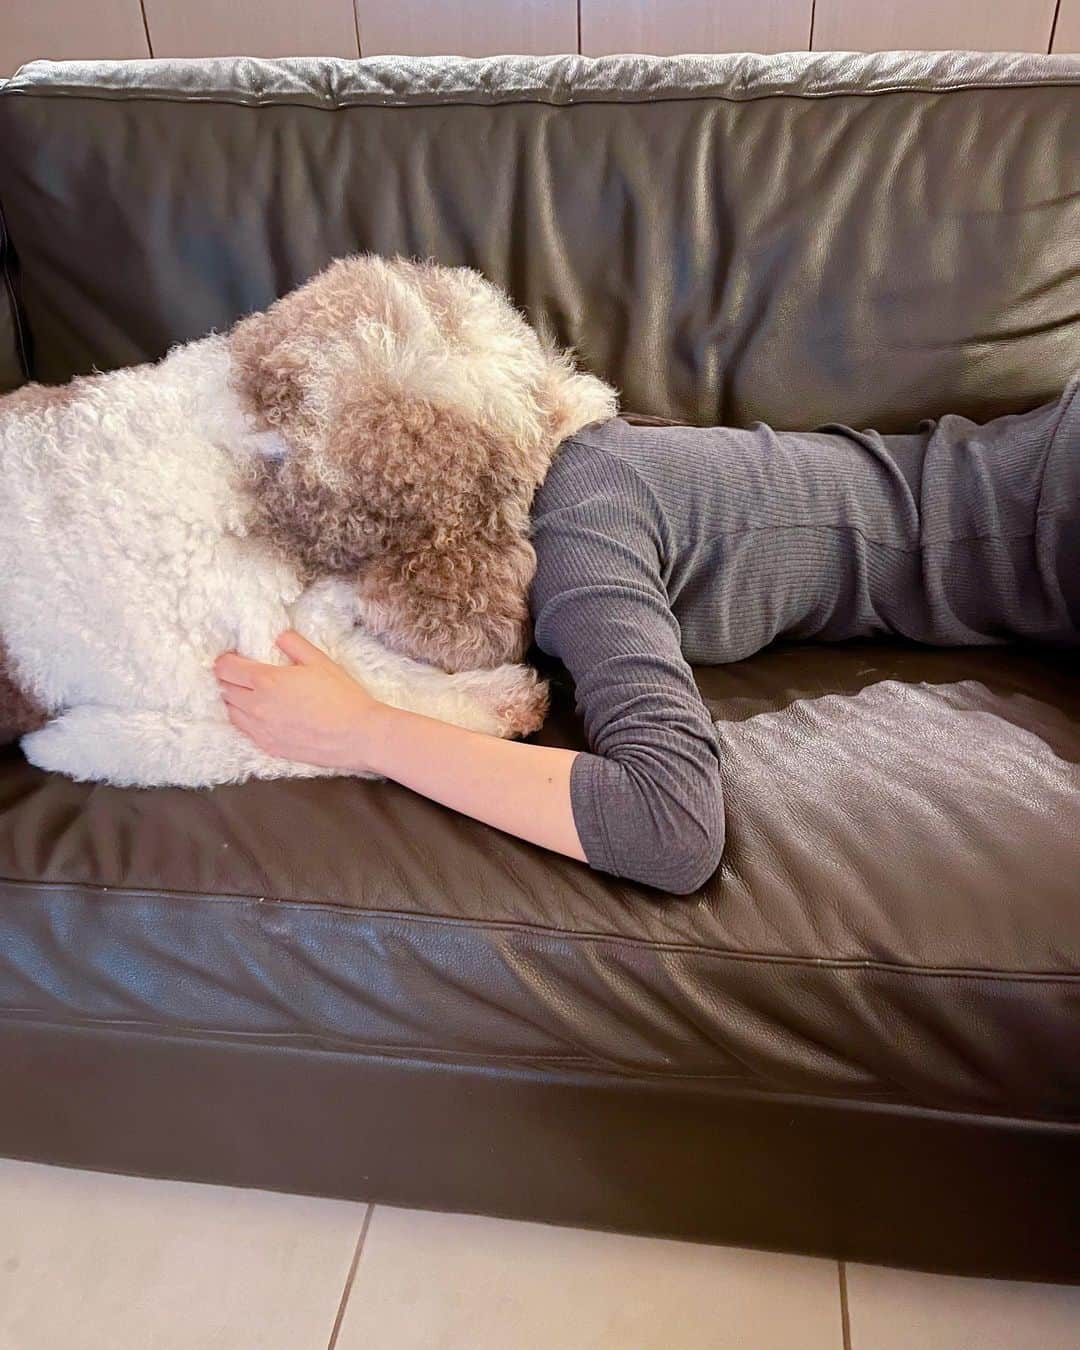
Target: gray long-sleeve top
(661, 546)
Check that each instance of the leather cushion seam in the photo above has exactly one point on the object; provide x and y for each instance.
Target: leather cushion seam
(352, 915)
(449, 100)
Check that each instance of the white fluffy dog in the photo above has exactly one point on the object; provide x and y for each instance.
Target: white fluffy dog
(138, 510)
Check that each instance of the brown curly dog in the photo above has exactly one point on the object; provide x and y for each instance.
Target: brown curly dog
(416, 412)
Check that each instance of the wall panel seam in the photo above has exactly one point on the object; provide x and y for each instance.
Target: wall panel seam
(146, 29)
(1053, 28)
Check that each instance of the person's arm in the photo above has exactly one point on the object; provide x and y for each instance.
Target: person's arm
(647, 798)
(313, 711)
(517, 787)
(645, 803)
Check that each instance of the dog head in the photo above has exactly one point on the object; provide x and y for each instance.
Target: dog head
(420, 412)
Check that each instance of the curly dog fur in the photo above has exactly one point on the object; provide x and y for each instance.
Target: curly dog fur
(357, 462)
(421, 413)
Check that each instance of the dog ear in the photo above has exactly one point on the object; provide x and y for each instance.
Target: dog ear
(572, 398)
(578, 399)
(266, 369)
(391, 473)
(358, 321)
(462, 607)
(426, 510)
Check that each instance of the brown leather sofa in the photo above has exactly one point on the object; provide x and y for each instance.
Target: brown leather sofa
(862, 1037)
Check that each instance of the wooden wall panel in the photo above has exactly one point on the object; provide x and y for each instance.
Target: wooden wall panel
(1067, 33)
(933, 25)
(252, 27)
(667, 27)
(467, 27)
(59, 30)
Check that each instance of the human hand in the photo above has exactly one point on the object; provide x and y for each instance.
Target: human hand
(312, 711)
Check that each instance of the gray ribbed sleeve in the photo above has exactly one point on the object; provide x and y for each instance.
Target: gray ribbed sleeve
(647, 803)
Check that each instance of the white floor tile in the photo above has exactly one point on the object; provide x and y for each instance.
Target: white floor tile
(431, 1281)
(902, 1309)
(90, 1261)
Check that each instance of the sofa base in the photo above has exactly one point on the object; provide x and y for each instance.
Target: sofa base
(933, 1191)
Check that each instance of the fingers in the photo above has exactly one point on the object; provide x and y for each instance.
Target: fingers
(250, 727)
(239, 670)
(232, 668)
(239, 718)
(237, 696)
(299, 648)
(244, 684)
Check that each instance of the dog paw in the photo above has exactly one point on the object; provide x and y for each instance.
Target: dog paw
(524, 707)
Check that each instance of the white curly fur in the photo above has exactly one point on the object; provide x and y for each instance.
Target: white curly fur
(127, 569)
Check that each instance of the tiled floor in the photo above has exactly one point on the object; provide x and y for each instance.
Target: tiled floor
(96, 1262)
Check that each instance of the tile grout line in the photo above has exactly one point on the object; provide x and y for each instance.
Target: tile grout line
(845, 1316)
(350, 1278)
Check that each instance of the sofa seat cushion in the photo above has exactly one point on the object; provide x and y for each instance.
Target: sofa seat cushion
(895, 920)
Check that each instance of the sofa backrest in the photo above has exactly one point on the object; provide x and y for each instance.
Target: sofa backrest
(796, 238)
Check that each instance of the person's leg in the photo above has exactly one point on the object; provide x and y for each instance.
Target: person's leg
(999, 525)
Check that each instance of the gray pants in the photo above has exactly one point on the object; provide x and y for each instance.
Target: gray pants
(998, 534)
(957, 534)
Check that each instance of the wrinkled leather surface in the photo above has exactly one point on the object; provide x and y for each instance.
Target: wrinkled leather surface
(893, 240)
(14, 358)
(894, 932)
(869, 934)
